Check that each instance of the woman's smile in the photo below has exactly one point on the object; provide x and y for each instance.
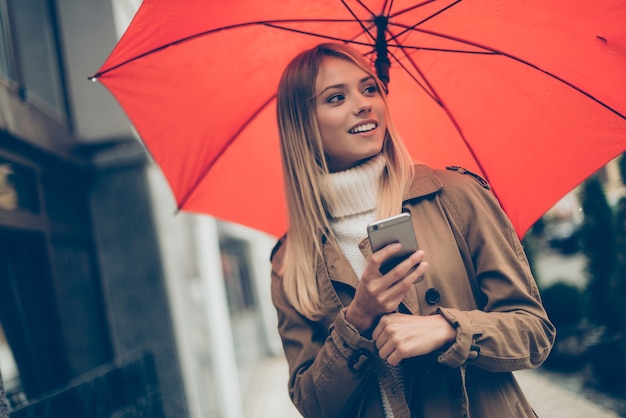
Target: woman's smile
(351, 114)
(364, 128)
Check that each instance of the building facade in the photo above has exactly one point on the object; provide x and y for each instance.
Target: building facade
(109, 298)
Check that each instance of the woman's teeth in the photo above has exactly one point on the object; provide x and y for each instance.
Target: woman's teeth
(363, 128)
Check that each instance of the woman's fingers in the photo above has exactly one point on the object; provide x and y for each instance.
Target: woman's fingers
(400, 270)
(417, 275)
(386, 339)
(378, 294)
(414, 267)
(379, 257)
(389, 289)
(404, 275)
(399, 336)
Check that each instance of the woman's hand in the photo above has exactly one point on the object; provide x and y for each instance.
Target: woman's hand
(400, 336)
(378, 294)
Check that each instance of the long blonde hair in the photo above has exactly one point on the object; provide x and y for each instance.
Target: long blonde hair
(304, 165)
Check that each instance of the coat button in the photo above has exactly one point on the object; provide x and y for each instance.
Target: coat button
(432, 296)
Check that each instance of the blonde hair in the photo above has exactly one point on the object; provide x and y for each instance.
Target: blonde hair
(304, 165)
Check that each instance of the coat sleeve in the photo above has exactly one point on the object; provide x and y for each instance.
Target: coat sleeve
(510, 330)
(328, 369)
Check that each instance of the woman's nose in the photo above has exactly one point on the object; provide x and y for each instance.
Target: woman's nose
(364, 106)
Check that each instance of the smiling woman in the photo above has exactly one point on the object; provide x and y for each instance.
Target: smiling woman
(462, 76)
(363, 342)
(351, 114)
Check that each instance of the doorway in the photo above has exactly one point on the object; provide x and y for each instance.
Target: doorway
(28, 318)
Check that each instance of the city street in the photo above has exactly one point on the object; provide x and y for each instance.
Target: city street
(549, 398)
(552, 266)
(552, 395)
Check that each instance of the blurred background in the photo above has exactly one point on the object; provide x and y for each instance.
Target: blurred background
(113, 304)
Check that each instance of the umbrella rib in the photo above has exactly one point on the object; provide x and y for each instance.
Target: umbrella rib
(221, 152)
(386, 10)
(271, 23)
(414, 78)
(421, 22)
(363, 5)
(521, 61)
(455, 51)
(318, 35)
(441, 103)
(409, 9)
(359, 21)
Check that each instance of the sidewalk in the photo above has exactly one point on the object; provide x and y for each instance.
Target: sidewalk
(551, 400)
(548, 398)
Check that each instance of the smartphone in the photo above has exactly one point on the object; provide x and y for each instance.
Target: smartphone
(397, 228)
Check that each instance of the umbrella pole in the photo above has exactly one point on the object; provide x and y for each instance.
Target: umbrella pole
(382, 62)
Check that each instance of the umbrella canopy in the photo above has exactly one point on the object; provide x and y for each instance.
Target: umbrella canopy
(531, 95)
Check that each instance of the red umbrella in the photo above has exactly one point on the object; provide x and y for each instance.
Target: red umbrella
(529, 94)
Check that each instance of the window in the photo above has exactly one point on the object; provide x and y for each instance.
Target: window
(5, 64)
(35, 54)
(18, 188)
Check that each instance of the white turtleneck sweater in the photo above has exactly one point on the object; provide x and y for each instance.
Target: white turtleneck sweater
(352, 209)
(356, 192)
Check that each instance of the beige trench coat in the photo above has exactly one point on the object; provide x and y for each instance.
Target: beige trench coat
(478, 279)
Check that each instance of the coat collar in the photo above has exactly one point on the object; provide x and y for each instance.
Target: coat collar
(425, 182)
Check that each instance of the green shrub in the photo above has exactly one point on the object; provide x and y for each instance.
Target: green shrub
(566, 307)
(565, 304)
(598, 239)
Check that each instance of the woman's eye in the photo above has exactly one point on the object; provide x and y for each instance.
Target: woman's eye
(372, 89)
(335, 98)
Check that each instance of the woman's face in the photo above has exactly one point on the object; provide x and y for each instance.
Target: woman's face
(351, 113)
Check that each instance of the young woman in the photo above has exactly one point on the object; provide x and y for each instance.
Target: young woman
(438, 335)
